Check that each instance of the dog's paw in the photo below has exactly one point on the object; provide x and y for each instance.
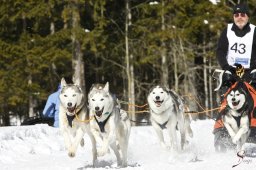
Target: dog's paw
(101, 152)
(163, 145)
(167, 147)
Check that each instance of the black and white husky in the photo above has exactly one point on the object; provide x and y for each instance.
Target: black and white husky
(236, 119)
(111, 125)
(167, 112)
(72, 116)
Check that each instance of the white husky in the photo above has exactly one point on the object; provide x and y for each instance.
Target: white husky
(236, 120)
(72, 113)
(110, 126)
(167, 112)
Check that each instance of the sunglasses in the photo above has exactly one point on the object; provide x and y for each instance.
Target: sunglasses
(241, 15)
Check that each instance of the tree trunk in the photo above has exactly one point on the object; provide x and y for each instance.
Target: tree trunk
(206, 101)
(129, 66)
(77, 59)
(30, 98)
(164, 65)
(210, 86)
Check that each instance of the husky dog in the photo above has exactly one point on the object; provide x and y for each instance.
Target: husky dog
(71, 115)
(111, 125)
(167, 112)
(236, 119)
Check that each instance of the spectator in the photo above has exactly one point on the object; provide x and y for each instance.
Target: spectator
(51, 108)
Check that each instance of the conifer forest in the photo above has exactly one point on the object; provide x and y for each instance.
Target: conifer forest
(132, 44)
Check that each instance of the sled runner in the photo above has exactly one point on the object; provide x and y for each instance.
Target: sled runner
(232, 87)
(38, 120)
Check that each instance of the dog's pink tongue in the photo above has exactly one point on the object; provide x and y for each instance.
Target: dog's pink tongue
(158, 104)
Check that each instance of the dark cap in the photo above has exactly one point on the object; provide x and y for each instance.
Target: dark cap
(241, 8)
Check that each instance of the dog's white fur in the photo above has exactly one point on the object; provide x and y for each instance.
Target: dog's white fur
(116, 132)
(72, 102)
(239, 135)
(164, 108)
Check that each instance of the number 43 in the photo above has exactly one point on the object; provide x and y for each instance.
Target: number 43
(240, 48)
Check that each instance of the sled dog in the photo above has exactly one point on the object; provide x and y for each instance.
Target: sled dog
(111, 125)
(167, 112)
(72, 112)
(236, 119)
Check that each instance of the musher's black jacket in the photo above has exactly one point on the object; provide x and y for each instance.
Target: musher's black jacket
(222, 48)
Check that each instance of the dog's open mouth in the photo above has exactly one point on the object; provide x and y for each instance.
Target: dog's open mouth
(99, 112)
(158, 102)
(71, 109)
(235, 103)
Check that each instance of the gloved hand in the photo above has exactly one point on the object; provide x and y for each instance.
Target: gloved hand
(239, 70)
(231, 69)
(238, 66)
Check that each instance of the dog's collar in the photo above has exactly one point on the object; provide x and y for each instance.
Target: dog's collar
(79, 108)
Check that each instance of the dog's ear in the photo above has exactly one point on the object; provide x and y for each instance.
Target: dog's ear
(166, 88)
(106, 87)
(63, 83)
(151, 89)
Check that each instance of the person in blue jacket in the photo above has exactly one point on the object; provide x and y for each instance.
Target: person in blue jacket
(51, 108)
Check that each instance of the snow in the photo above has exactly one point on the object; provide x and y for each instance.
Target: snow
(41, 147)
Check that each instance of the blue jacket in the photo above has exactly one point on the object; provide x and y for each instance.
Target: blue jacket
(51, 108)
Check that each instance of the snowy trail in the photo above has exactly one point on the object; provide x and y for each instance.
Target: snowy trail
(41, 147)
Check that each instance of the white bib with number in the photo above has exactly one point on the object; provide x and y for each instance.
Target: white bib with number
(240, 48)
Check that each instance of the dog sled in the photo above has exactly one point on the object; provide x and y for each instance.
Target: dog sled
(238, 82)
(40, 119)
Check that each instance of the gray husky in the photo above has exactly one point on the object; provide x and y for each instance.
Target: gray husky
(167, 112)
(72, 116)
(111, 125)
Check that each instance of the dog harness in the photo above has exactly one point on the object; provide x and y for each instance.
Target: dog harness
(163, 126)
(102, 124)
(70, 119)
(237, 119)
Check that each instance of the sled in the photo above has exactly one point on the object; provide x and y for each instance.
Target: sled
(38, 120)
